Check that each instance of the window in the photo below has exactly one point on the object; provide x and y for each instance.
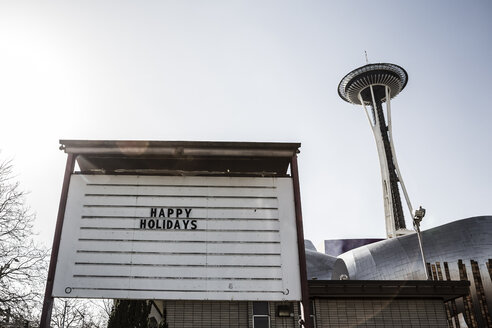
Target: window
(261, 317)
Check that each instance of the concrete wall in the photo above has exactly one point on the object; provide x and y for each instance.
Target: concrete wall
(212, 314)
(340, 312)
(380, 313)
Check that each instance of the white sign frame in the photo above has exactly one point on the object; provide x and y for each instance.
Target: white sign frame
(242, 245)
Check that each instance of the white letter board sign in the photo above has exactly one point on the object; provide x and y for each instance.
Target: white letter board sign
(187, 238)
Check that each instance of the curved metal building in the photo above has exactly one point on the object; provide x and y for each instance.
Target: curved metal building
(460, 250)
(399, 258)
(319, 266)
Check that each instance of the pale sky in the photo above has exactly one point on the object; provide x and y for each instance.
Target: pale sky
(257, 71)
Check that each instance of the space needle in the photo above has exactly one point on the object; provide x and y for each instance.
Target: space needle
(371, 86)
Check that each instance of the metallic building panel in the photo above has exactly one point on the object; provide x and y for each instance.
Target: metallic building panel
(399, 258)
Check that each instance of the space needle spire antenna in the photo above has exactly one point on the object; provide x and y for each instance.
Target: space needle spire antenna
(371, 86)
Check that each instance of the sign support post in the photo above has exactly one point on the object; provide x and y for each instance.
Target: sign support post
(48, 298)
(306, 309)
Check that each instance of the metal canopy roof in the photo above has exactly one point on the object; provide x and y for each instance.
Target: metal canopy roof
(446, 290)
(181, 157)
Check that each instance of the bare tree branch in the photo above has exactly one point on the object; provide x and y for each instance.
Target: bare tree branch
(79, 313)
(22, 261)
(23, 267)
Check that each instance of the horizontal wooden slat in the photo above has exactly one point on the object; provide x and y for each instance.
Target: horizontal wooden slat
(201, 224)
(183, 191)
(118, 180)
(181, 285)
(183, 247)
(189, 295)
(197, 212)
(182, 202)
(178, 258)
(189, 235)
(252, 273)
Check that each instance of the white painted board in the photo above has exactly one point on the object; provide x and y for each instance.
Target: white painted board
(186, 238)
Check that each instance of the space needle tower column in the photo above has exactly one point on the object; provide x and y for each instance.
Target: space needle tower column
(371, 86)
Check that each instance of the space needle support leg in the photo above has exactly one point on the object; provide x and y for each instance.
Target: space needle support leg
(395, 161)
(376, 117)
(366, 111)
(374, 124)
(390, 213)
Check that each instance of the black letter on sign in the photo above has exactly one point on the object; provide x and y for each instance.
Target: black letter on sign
(153, 212)
(185, 223)
(170, 212)
(188, 211)
(169, 224)
(179, 211)
(193, 224)
(151, 224)
(143, 223)
(161, 213)
(176, 225)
